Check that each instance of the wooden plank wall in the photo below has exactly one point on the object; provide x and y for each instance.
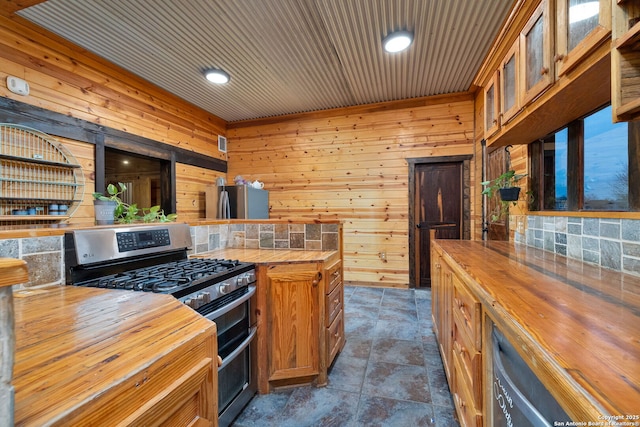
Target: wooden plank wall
(191, 182)
(350, 164)
(68, 80)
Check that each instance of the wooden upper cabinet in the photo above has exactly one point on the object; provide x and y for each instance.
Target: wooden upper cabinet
(536, 47)
(509, 84)
(491, 106)
(582, 26)
(625, 60)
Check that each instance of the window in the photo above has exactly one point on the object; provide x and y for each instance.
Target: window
(141, 174)
(584, 166)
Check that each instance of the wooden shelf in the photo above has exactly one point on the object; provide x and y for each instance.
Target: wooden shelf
(631, 39)
(630, 109)
(43, 200)
(38, 161)
(33, 217)
(36, 171)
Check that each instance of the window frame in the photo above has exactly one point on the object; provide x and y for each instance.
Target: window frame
(575, 169)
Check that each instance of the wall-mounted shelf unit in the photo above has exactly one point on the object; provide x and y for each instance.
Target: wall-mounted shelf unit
(40, 180)
(625, 61)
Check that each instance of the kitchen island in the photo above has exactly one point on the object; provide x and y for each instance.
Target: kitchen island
(299, 313)
(88, 355)
(577, 327)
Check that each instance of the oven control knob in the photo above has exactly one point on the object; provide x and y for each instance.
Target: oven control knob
(224, 288)
(188, 302)
(206, 297)
(200, 300)
(251, 276)
(243, 280)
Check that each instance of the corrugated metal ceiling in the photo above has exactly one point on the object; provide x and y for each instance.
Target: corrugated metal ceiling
(284, 56)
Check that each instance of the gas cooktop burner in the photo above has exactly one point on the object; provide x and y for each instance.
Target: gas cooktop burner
(165, 277)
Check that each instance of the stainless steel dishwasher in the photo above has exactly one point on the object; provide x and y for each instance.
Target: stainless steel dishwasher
(518, 398)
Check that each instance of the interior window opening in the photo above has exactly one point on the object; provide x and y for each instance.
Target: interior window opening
(140, 174)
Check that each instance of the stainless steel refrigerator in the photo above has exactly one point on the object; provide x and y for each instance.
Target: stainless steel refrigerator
(242, 202)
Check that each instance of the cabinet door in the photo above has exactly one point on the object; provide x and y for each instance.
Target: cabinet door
(441, 309)
(582, 25)
(536, 44)
(509, 95)
(186, 401)
(625, 60)
(293, 329)
(491, 107)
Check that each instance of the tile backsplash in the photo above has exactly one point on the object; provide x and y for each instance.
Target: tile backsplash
(266, 236)
(608, 242)
(45, 255)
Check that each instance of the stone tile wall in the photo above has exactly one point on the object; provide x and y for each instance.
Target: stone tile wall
(266, 236)
(608, 242)
(45, 255)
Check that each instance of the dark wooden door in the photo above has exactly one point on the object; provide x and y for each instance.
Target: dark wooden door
(438, 199)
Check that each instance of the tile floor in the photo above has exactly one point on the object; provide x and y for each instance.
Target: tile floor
(389, 373)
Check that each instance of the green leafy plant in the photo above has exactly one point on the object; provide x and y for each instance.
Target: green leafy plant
(125, 213)
(507, 180)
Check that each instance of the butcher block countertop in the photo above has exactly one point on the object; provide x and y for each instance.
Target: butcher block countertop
(578, 322)
(269, 256)
(12, 272)
(78, 349)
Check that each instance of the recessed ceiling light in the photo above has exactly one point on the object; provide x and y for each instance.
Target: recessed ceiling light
(217, 76)
(398, 41)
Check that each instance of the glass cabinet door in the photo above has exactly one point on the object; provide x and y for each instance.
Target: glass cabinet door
(491, 107)
(509, 96)
(582, 25)
(536, 44)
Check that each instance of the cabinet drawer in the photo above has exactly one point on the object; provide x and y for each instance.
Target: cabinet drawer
(334, 276)
(469, 364)
(333, 304)
(335, 337)
(468, 310)
(468, 413)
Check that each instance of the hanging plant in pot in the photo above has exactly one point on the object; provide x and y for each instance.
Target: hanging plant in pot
(505, 185)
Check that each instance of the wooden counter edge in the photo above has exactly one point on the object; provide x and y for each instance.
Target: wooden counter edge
(14, 271)
(577, 402)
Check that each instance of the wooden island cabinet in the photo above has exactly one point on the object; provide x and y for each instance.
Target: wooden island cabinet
(89, 356)
(299, 313)
(292, 324)
(575, 326)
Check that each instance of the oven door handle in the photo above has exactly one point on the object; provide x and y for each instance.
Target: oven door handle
(227, 308)
(238, 350)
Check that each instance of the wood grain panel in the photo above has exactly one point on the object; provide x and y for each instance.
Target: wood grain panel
(70, 80)
(350, 164)
(110, 355)
(577, 324)
(191, 182)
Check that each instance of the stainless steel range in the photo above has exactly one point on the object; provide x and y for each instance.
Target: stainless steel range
(155, 258)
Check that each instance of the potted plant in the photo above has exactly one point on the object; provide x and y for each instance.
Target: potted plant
(505, 184)
(110, 207)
